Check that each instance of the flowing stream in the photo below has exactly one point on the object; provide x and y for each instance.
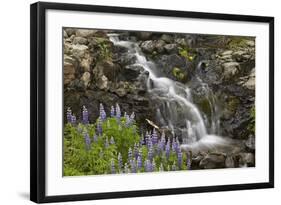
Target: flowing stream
(176, 111)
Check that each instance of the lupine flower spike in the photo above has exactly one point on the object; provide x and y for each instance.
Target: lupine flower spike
(69, 115)
(102, 113)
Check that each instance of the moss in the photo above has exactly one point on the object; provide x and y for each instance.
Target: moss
(205, 106)
(177, 73)
(186, 53)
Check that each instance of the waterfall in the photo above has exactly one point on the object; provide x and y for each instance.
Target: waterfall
(176, 110)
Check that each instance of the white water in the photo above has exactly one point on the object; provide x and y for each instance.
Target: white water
(176, 103)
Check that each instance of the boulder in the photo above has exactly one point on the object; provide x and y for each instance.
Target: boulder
(86, 33)
(147, 46)
(167, 38)
(68, 69)
(79, 51)
(171, 48)
(102, 83)
(80, 40)
(86, 78)
(230, 69)
(212, 161)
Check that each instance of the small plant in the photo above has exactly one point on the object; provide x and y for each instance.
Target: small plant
(113, 145)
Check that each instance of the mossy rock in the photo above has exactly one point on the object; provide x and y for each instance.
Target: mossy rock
(179, 74)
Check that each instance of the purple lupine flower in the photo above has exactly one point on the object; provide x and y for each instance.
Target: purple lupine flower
(118, 112)
(106, 144)
(130, 154)
(120, 161)
(136, 150)
(133, 165)
(148, 166)
(150, 153)
(180, 159)
(112, 111)
(174, 167)
(167, 149)
(69, 115)
(112, 142)
(139, 162)
(99, 126)
(87, 140)
(85, 115)
(112, 166)
(95, 138)
(154, 137)
(73, 119)
(161, 143)
(102, 113)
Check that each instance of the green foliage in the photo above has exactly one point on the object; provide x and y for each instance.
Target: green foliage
(104, 47)
(177, 72)
(101, 154)
(186, 53)
(79, 160)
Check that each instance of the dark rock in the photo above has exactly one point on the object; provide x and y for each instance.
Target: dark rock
(80, 40)
(212, 161)
(167, 38)
(171, 48)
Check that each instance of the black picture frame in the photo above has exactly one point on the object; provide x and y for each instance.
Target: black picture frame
(38, 100)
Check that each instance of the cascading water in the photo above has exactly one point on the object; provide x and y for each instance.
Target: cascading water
(176, 110)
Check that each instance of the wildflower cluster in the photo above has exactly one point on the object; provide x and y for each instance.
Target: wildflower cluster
(113, 145)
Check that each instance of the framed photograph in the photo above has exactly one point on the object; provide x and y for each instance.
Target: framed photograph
(129, 102)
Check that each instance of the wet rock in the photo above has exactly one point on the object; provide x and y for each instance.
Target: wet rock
(212, 161)
(171, 48)
(148, 46)
(86, 78)
(229, 162)
(247, 159)
(80, 40)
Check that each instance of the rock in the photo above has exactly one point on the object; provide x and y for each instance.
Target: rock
(159, 45)
(70, 31)
(212, 161)
(106, 68)
(79, 51)
(251, 82)
(85, 33)
(227, 53)
(65, 34)
(230, 69)
(167, 38)
(171, 48)
(181, 41)
(68, 69)
(247, 159)
(102, 83)
(229, 162)
(143, 35)
(147, 46)
(86, 78)
(80, 40)
(250, 43)
(250, 143)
